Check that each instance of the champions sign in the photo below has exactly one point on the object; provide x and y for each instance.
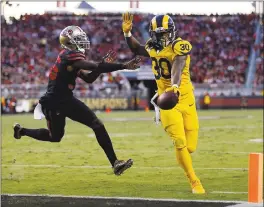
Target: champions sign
(104, 103)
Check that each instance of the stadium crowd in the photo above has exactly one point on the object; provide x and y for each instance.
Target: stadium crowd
(221, 45)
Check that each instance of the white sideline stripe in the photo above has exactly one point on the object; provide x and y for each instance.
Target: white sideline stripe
(107, 167)
(121, 119)
(138, 151)
(92, 135)
(257, 140)
(124, 134)
(227, 127)
(243, 142)
(126, 198)
(226, 192)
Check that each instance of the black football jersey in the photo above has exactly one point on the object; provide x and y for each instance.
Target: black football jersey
(62, 78)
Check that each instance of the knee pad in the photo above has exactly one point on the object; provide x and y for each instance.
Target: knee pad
(96, 124)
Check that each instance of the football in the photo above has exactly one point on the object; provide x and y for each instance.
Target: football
(167, 100)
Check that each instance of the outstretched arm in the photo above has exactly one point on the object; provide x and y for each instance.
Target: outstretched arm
(97, 67)
(106, 67)
(132, 42)
(181, 49)
(176, 70)
(88, 77)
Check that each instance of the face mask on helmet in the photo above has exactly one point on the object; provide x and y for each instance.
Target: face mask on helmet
(82, 42)
(162, 39)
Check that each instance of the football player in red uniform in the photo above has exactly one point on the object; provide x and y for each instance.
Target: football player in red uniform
(58, 102)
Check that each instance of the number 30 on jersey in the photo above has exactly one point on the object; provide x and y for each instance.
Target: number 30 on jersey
(162, 68)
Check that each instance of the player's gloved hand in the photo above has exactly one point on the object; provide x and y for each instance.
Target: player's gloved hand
(109, 57)
(174, 88)
(127, 22)
(132, 64)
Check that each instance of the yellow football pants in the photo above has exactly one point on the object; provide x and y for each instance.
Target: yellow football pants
(181, 123)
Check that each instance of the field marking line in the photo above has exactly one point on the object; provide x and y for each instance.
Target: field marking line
(117, 150)
(243, 142)
(227, 192)
(257, 140)
(207, 128)
(92, 135)
(107, 167)
(121, 119)
(127, 198)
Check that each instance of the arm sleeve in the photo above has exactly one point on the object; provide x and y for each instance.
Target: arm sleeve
(101, 67)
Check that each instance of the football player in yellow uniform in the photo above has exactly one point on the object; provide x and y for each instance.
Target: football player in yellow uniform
(170, 57)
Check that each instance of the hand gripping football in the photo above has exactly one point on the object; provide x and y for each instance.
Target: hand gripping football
(167, 100)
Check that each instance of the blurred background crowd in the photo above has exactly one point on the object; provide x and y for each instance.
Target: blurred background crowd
(222, 45)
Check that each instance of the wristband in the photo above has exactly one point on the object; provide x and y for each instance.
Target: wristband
(127, 34)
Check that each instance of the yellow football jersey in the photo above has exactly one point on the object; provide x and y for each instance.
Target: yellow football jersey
(162, 63)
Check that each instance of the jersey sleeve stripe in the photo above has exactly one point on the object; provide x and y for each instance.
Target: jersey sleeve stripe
(184, 53)
(174, 43)
(76, 58)
(76, 54)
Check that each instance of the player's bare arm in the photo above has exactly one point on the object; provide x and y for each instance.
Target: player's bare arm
(176, 70)
(132, 42)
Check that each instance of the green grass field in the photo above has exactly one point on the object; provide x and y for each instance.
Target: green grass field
(78, 166)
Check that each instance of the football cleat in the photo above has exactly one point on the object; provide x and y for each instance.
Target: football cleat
(197, 187)
(17, 129)
(120, 166)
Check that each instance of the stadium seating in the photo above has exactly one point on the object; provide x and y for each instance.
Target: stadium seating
(221, 45)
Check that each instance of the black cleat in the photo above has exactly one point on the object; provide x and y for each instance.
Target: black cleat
(120, 166)
(17, 130)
